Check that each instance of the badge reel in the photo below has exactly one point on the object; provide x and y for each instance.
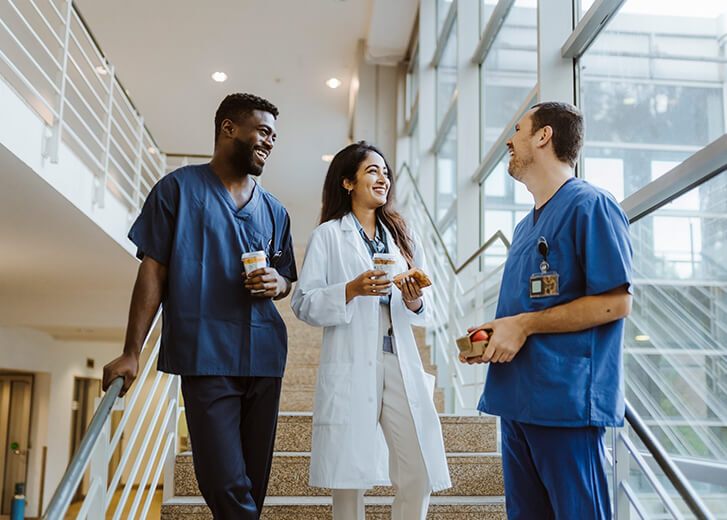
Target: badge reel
(544, 283)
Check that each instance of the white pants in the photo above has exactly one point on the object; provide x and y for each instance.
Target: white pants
(407, 470)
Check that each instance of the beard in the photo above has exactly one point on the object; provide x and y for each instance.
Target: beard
(518, 165)
(243, 159)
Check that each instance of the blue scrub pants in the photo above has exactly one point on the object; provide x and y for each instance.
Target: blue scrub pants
(232, 422)
(554, 473)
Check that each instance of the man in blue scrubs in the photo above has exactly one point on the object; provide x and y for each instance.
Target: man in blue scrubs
(221, 331)
(555, 347)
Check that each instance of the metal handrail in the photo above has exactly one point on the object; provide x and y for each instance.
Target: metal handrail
(498, 235)
(63, 495)
(667, 465)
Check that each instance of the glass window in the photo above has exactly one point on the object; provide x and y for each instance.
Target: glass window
(412, 84)
(486, 8)
(442, 11)
(446, 184)
(509, 71)
(505, 202)
(447, 75)
(414, 151)
(652, 89)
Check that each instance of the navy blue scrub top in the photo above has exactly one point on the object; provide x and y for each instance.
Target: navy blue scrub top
(569, 379)
(211, 323)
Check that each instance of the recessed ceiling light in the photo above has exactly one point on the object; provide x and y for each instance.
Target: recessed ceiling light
(101, 69)
(152, 150)
(219, 77)
(642, 337)
(333, 83)
(327, 157)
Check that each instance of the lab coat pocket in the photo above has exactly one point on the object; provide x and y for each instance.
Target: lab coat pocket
(333, 394)
(562, 387)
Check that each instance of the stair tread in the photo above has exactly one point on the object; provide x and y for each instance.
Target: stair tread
(325, 500)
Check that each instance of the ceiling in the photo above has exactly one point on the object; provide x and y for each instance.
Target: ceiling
(59, 271)
(165, 51)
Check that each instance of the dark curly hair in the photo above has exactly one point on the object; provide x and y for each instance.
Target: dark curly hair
(235, 106)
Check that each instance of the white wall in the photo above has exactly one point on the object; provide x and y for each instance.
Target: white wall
(55, 365)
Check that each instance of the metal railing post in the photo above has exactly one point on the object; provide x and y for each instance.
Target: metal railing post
(137, 166)
(621, 458)
(53, 141)
(99, 473)
(172, 428)
(100, 195)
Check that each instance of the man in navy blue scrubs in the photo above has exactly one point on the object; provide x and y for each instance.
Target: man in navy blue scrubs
(220, 332)
(555, 348)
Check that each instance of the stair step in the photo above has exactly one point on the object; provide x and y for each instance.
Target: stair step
(473, 474)
(462, 434)
(319, 508)
(299, 398)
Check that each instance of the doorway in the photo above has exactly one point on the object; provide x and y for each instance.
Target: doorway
(16, 393)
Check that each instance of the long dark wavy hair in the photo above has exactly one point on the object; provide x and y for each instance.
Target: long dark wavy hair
(337, 201)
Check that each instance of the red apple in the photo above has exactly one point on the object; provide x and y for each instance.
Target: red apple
(478, 336)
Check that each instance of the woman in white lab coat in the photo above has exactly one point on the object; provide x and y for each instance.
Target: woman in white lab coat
(371, 379)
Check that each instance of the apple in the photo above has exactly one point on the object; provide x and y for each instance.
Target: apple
(479, 335)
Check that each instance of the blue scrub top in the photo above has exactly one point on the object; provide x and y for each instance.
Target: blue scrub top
(569, 379)
(211, 323)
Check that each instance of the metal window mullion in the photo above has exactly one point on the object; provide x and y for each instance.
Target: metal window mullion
(590, 26)
(32, 31)
(446, 125)
(692, 172)
(447, 28)
(497, 150)
(494, 24)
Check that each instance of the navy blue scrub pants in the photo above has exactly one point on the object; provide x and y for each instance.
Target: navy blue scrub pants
(554, 473)
(232, 423)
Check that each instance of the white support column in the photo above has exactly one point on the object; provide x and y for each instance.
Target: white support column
(427, 98)
(99, 468)
(556, 75)
(53, 141)
(172, 428)
(468, 128)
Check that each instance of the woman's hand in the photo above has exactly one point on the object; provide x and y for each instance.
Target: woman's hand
(411, 293)
(369, 283)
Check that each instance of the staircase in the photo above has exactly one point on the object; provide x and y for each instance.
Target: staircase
(470, 442)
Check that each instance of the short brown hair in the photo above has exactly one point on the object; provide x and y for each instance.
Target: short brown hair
(567, 124)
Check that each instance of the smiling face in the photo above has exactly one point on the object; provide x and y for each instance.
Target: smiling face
(521, 147)
(372, 185)
(252, 141)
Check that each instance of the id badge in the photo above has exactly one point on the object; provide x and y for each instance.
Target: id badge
(544, 284)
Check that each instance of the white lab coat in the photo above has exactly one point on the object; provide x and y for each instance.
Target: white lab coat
(349, 450)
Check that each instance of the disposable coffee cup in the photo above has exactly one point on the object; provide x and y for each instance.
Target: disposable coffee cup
(387, 263)
(252, 262)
